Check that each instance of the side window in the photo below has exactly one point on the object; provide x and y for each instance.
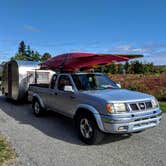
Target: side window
(63, 80)
(53, 81)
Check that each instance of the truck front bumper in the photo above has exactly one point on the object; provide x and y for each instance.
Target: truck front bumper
(131, 122)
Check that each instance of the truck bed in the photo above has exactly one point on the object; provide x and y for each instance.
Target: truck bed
(37, 88)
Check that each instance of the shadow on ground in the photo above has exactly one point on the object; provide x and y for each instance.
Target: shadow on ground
(52, 124)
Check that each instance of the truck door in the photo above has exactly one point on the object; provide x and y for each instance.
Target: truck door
(66, 101)
(50, 95)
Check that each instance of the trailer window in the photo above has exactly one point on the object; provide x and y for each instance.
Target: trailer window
(42, 77)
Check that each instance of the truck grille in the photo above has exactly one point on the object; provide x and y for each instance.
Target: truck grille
(140, 106)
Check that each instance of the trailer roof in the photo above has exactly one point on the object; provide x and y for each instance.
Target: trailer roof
(27, 63)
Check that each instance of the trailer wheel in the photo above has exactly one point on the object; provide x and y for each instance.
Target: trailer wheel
(37, 109)
(88, 130)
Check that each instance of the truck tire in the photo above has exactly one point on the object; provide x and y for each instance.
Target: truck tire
(88, 130)
(37, 109)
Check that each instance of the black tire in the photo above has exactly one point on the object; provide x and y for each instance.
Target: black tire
(95, 136)
(37, 108)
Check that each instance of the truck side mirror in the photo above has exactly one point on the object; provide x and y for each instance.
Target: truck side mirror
(119, 85)
(68, 88)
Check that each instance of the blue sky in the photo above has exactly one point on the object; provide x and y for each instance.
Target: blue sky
(100, 26)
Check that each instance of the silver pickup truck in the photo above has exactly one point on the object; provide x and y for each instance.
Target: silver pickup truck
(96, 104)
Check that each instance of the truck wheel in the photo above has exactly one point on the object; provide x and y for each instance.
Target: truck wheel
(88, 130)
(38, 110)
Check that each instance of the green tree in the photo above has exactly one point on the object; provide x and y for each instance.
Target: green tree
(18, 57)
(137, 67)
(29, 52)
(35, 56)
(112, 68)
(127, 67)
(21, 54)
(119, 68)
(25, 53)
(22, 48)
(45, 56)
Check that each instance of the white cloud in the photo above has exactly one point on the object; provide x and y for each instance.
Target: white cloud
(9, 40)
(153, 52)
(30, 28)
(124, 48)
(129, 48)
(158, 58)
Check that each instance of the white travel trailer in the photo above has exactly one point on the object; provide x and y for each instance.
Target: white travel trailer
(17, 75)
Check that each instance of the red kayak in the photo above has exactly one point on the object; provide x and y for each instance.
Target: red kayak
(78, 61)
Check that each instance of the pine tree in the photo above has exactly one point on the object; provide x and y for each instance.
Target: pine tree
(28, 51)
(36, 56)
(22, 48)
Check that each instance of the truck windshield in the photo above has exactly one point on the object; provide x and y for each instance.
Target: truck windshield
(93, 82)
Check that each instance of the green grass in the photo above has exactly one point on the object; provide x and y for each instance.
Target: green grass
(163, 106)
(7, 154)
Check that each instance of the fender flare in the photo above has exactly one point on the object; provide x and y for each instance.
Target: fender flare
(39, 99)
(94, 112)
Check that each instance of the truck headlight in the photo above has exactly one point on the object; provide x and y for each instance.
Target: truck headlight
(116, 108)
(155, 103)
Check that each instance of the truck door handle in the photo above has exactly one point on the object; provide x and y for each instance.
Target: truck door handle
(55, 93)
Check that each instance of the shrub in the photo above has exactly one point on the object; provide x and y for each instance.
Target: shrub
(151, 84)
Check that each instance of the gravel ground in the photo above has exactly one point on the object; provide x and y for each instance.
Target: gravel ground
(52, 141)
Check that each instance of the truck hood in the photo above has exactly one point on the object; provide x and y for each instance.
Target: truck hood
(119, 95)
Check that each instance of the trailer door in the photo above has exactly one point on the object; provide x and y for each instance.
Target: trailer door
(9, 80)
